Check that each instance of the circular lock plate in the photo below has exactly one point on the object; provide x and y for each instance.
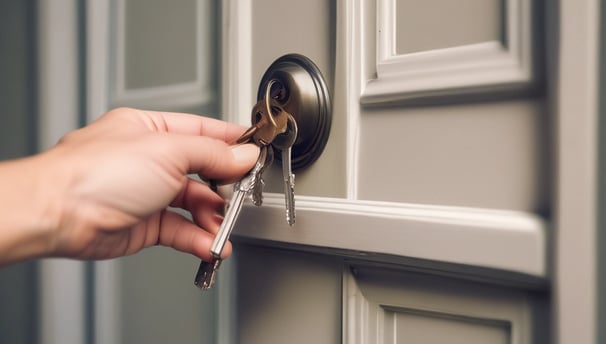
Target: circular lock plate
(302, 92)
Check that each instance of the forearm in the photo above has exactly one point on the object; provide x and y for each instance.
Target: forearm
(26, 210)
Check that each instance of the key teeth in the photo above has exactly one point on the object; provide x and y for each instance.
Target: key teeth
(290, 218)
(202, 277)
(205, 277)
(290, 207)
(257, 194)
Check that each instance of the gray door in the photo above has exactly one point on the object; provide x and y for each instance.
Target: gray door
(430, 216)
(454, 200)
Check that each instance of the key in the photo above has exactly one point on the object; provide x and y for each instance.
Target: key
(284, 142)
(261, 135)
(268, 120)
(206, 275)
(257, 192)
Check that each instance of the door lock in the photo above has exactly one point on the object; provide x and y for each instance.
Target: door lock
(297, 84)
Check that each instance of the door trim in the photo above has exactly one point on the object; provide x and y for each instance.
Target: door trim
(373, 299)
(575, 100)
(494, 239)
(237, 56)
(474, 68)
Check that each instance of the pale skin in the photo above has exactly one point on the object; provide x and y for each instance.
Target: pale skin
(103, 191)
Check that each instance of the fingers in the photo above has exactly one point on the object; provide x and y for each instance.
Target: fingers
(204, 204)
(187, 124)
(182, 235)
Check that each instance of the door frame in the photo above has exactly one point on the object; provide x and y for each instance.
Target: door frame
(575, 103)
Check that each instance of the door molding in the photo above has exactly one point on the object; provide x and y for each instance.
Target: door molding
(475, 68)
(373, 300)
(578, 302)
(185, 94)
(493, 239)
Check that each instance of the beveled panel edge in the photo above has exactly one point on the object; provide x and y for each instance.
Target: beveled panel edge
(493, 239)
(474, 68)
(178, 95)
(365, 307)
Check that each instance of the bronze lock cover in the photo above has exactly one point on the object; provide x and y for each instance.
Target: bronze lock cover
(299, 87)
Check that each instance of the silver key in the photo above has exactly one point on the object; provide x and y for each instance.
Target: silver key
(206, 275)
(284, 142)
(257, 192)
(242, 189)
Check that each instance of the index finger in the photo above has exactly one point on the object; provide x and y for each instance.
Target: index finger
(188, 124)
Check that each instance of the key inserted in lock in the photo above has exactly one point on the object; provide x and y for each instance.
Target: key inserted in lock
(299, 87)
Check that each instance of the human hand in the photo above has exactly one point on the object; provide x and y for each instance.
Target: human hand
(110, 183)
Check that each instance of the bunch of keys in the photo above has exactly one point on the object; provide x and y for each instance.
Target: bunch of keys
(272, 127)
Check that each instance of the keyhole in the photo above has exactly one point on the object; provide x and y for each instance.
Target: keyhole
(278, 91)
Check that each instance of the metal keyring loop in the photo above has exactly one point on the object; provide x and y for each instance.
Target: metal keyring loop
(268, 99)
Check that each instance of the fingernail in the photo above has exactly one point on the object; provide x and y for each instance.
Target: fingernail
(245, 153)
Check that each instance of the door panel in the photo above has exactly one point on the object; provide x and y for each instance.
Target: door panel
(387, 306)
(487, 154)
(286, 296)
(423, 25)
(164, 56)
(157, 304)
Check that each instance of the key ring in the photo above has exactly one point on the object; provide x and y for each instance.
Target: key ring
(267, 99)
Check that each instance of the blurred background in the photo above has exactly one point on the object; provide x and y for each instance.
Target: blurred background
(158, 54)
(18, 137)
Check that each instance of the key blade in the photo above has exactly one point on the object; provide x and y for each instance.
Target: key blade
(289, 197)
(285, 142)
(228, 223)
(289, 186)
(259, 183)
(206, 275)
(241, 190)
(247, 136)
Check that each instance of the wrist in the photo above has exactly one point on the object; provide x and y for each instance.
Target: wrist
(31, 213)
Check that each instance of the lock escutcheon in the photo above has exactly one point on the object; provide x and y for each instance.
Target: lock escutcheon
(299, 87)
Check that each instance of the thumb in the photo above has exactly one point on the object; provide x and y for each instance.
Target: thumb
(217, 160)
(244, 156)
(212, 158)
